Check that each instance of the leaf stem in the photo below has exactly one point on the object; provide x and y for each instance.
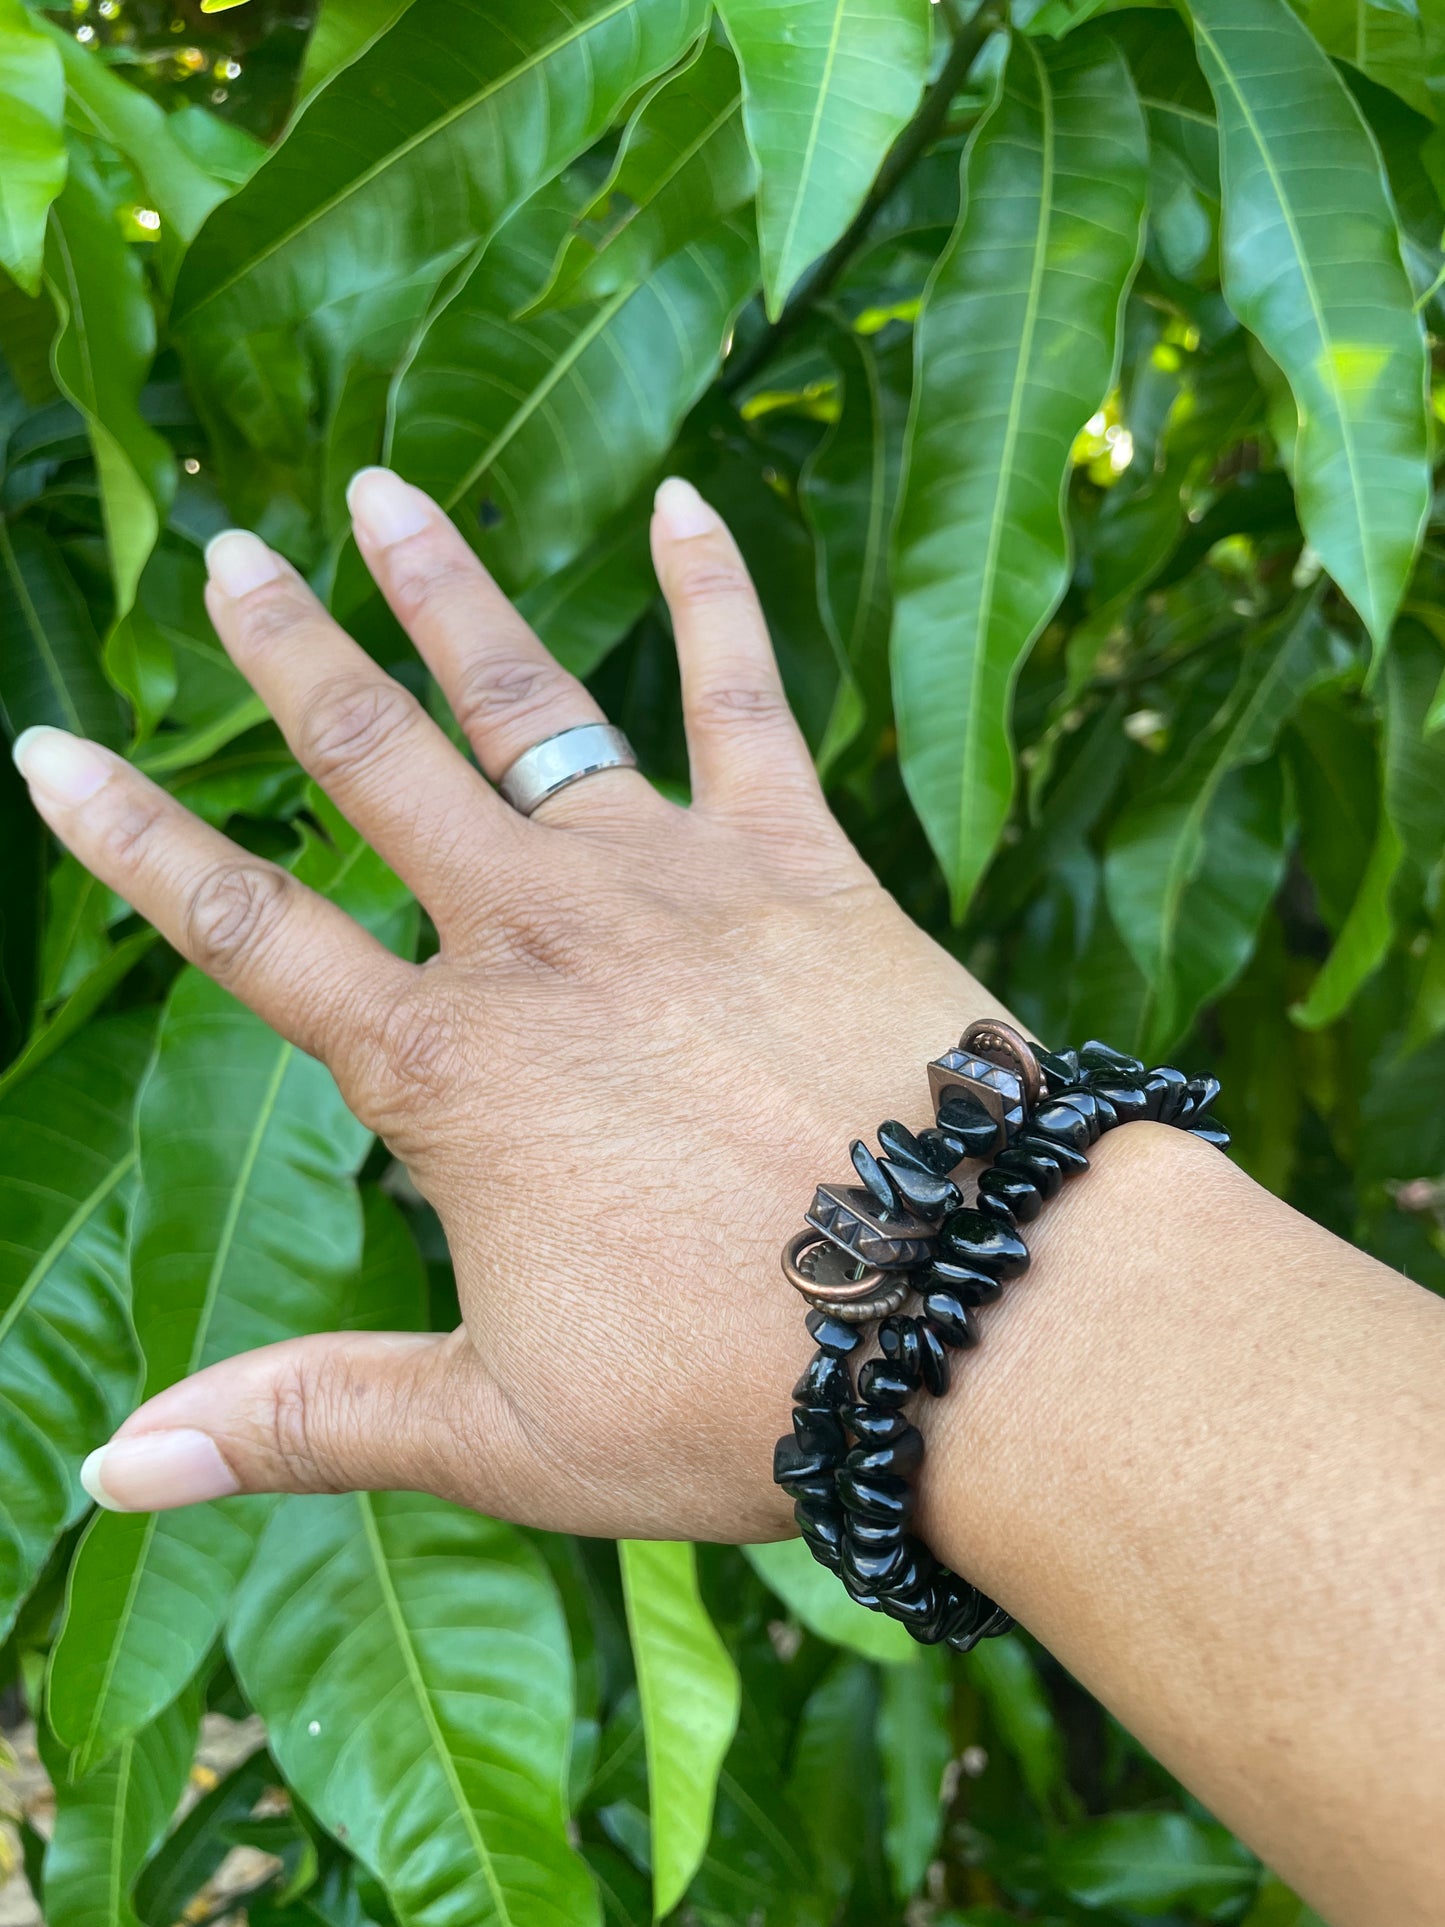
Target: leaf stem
(924, 128)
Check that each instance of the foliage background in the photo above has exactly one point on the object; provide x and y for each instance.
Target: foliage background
(1067, 382)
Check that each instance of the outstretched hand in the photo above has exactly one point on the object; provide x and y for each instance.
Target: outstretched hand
(648, 1031)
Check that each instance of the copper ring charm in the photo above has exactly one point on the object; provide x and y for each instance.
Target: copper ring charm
(824, 1272)
(990, 1037)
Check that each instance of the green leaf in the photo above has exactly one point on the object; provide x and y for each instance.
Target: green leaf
(395, 172)
(582, 611)
(816, 1597)
(247, 1229)
(915, 1747)
(690, 1696)
(536, 431)
(1152, 1863)
(107, 1824)
(683, 164)
(175, 1874)
(32, 141)
(69, 1364)
(1016, 348)
(836, 1727)
(827, 85)
(102, 358)
(1364, 939)
(1194, 859)
(1382, 38)
(1311, 265)
(343, 31)
(1008, 1683)
(410, 1660)
(49, 653)
(1414, 756)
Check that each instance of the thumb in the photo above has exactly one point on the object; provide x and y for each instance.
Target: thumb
(338, 1412)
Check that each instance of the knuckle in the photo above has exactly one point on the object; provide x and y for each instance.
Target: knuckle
(504, 686)
(234, 910)
(706, 580)
(268, 613)
(126, 829)
(419, 1038)
(732, 705)
(422, 577)
(350, 722)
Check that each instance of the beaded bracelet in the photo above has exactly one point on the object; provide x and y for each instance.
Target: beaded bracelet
(904, 1230)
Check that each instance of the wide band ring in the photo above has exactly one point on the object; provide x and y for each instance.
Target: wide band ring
(557, 761)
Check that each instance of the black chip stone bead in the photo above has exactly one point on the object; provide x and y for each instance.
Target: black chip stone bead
(1043, 1172)
(1070, 1160)
(947, 1151)
(792, 1465)
(874, 1424)
(822, 1530)
(1095, 1056)
(832, 1334)
(997, 1622)
(1086, 1103)
(858, 1592)
(874, 1533)
(874, 1567)
(1212, 1132)
(952, 1319)
(922, 1193)
(818, 1429)
(1060, 1068)
(1199, 1094)
(882, 1382)
(996, 1208)
(901, 1455)
(898, 1342)
(911, 1574)
(822, 1488)
(825, 1382)
(923, 1613)
(933, 1359)
(971, 1238)
(964, 1118)
(1164, 1093)
(1058, 1122)
(1020, 1194)
(876, 1496)
(973, 1286)
(866, 1165)
(1127, 1101)
(905, 1148)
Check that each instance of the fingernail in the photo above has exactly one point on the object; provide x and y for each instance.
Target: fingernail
(384, 508)
(63, 767)
(238, 562)
(157, 1470)
(682, 511)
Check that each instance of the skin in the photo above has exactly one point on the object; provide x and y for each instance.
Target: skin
(1201, 1453)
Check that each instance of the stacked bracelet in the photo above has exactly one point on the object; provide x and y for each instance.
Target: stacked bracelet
(903, 1232)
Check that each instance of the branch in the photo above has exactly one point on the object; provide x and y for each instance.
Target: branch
(924, 128)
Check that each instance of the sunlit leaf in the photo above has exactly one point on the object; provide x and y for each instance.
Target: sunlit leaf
(817, 1598)
(32, 140)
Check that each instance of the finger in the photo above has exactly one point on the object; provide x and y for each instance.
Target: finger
(336, 1412)
(299, 962)
(366, 740)
(746, 751)
(506, 690)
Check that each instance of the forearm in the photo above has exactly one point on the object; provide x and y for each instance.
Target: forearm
(1201, 1454)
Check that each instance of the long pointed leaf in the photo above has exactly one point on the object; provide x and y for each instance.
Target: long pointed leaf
(32, 141)
(410, 1660)
(1016, 348)
(1311, 265)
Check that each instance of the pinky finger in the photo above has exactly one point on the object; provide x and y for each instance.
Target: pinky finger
(300, 962)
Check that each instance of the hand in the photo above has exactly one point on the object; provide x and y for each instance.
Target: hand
(648, 1033)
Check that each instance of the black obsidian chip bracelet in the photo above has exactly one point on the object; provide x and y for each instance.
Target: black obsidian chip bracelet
(902, 1235)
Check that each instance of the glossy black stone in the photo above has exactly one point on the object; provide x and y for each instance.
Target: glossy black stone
(878, 1497)
(964, 1119)
(901, 1456)
(933, 1359)
(825, 1382)
(1212, 1132)
(973, 1286)
(919, 1153)
(874, 1568)
(1164, 1093)
(792, 1465)
(874, 1424)
(911, 1574)
(1060, 1123)
(970, 1238)
(817, 1429)
(922, 1613)
(923, 1193)
(1199, 1094)
(1126, 1100)
(832, 1334)
(822, 1530)
(881, 1382)
(1095, 1056)
(1086, 1103)
(995, 1207)
(821, 1489)
(965, 1610)
(1042, 1171)
(1070, 1160)
(997, 1622)
(898, 1342)
(867, 1167)
(1060, 1068)
(952, 1319)
(1020, 1194)
(857, 1590)
(874, 1533)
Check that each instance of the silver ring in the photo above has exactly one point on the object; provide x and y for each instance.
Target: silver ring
(549, 766)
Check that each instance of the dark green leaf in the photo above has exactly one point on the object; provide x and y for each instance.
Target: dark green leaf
(914, 1747)
(833, 1775)
(1016, 348)
(175, 1874)
(1152, 1863)
(1004, 1674)
(1380, 37)
(49, 654)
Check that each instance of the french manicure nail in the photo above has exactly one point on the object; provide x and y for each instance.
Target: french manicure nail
(63, 767)
(682, 511)
(157, 1470)
(384, 508)
(238, 562)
